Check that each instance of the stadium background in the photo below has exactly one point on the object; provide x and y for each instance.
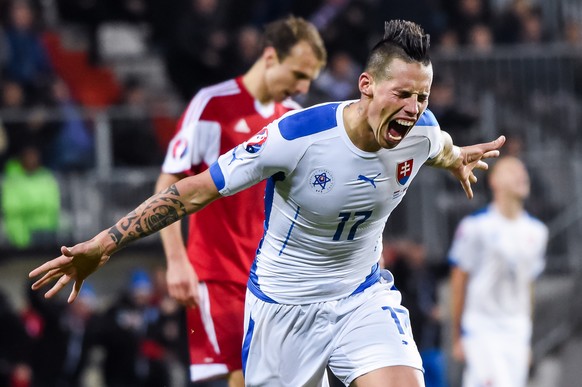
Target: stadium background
(510, 67)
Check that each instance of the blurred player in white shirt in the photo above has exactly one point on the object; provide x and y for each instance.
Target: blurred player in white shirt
(497, 253)
(316, 297)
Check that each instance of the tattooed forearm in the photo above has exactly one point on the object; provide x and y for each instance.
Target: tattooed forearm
(156, 213)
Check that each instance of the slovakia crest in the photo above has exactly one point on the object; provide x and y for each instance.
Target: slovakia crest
(321, 181)
(404, 171)
(255, 143)
(179, 148)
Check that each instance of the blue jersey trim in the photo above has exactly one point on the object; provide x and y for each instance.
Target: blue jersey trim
(253, 285)
(370, 280)
(253, 282)
(427, 119)
(247, 344)
(217, 176)
(290, 231)
(309, 121)
(480, 211)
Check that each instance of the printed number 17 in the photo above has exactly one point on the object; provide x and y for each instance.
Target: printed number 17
(344, 217)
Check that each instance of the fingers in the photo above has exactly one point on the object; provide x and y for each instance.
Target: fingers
(498, 143)
(75, 291)
(52, 264)
(61, 283)
(66, 251)
(467, 188)
(48, 277)
(490, 154)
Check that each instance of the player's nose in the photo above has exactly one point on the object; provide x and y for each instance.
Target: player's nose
(302, 86)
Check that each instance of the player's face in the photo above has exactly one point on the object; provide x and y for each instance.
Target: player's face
(292, 75)
(512, 179)
(398, 101)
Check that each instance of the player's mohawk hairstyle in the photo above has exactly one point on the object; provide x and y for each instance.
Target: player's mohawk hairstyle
(402, 39)
(409, 36)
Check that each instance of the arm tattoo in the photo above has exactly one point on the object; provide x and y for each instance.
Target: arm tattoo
(154, 214)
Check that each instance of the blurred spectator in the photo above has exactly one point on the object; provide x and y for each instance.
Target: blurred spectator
(60, 342)
(26, 123)
(31, 200)
(469, 13)
(349, 29)
(448, 41)
(480, 38)
(170, 329)
(15, 349)
(246, 48)
(508, 22)
(336, 82)
(88, 14)
(572, 32)
(72, 148)
(430, 14)
(133, 132)
(452, 117)
(13, 99)
(28, 62)
(131, 357)
(195, 53)
(417, 282)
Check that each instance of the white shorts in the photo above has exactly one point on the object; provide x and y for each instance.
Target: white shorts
(290, 345)
(495, 360)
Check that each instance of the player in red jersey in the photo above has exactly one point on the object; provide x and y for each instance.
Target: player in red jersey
(210, 274)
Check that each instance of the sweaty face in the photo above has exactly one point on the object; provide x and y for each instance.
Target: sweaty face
(292, 75)
(398, 101)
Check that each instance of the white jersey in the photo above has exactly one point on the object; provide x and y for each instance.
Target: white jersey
(502, 257)
(326, 201)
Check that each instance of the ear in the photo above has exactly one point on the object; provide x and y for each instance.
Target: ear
(270, 56)
(365, 84)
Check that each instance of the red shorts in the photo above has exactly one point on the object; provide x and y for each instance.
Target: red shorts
(215, 330)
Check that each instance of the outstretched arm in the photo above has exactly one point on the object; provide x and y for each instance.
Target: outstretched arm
(461, 161)
(160, 210)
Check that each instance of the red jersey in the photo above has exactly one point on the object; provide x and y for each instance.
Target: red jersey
(224, 236)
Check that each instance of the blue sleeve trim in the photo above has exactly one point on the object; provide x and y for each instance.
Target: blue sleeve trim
(217, 176)
(309, 121)
(427, 119)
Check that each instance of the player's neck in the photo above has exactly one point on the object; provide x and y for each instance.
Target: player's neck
(254, 82)
(357, 128)
(510, 209)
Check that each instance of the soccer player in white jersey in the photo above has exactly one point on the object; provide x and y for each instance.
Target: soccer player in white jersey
(316, 296)
(222, 240)
(496, 253)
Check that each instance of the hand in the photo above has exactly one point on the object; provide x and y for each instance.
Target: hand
(75, 263)
(471, 157)
(183, 282)
(458, 353)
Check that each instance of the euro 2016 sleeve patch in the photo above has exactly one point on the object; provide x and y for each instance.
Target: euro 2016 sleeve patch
(255, 143)
(179, 148)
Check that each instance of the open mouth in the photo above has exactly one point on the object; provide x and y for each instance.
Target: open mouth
(397, 129)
